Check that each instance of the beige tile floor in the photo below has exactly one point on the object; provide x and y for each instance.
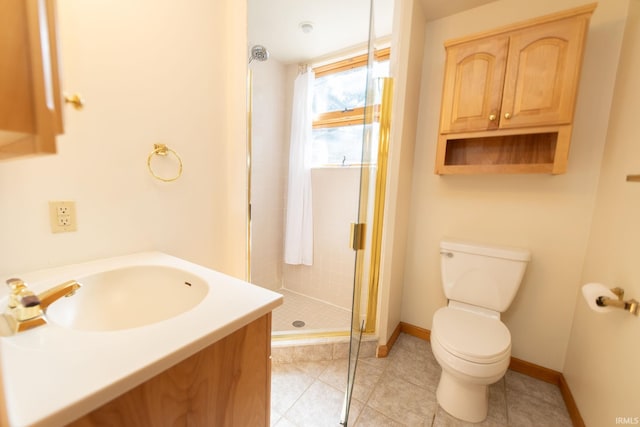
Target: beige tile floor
(400, 391)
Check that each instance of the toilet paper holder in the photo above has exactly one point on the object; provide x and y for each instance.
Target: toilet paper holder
(632, 306)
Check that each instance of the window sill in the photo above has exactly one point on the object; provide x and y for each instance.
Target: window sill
(349, 166)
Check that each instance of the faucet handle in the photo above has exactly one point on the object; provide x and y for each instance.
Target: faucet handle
(15, 284)
(30, 301)
(21, 294)
(16, 287)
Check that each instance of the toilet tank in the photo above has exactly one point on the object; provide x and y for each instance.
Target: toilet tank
(482, 275)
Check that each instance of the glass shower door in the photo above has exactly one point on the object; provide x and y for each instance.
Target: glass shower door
(366, 232)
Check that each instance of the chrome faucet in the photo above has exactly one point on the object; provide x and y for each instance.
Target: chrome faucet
(26, 310)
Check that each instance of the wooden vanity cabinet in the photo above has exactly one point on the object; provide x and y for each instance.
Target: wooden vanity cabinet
(509, 96)
(226, 384)
(30, 97)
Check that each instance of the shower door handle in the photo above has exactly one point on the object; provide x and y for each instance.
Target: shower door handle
(357, 237)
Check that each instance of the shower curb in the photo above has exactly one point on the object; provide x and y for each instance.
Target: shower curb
(319, 351)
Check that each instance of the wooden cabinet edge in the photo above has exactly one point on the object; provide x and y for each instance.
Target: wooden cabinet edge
(27, 145)
(586, 9)
(45, 77)
(507, 132)
(46, 96)
(563, 143)
(560, 155)
(58, 122)
(4, 418)
(534, 168)
(240, 366)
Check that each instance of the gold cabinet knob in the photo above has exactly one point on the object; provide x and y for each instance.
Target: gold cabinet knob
(507, 116)
(492, 117)
(75, 100)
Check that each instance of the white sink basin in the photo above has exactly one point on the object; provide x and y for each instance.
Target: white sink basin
(133, 318)
(127, 298)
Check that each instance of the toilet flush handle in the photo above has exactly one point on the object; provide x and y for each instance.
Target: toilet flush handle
(447, 254)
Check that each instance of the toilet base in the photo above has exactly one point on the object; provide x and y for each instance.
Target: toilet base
(466, 401)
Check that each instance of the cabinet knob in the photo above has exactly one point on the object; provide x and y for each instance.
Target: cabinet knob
(492, 117)
(75, 100)
(507, 116)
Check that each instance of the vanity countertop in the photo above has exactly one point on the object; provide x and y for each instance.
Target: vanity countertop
(53, 375)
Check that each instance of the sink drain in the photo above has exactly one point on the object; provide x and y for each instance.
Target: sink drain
(298, 324)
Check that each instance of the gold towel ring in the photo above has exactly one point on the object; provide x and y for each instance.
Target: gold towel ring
(163, 150)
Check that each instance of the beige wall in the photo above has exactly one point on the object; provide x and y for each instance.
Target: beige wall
(405, 67)
(150, 71)
(602, 359)
(269, 163)
(551, 215)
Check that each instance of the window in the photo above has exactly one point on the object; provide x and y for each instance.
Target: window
(339, 108)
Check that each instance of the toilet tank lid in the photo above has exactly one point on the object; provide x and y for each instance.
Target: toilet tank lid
(506, 252)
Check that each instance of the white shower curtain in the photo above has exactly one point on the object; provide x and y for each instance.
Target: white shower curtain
(298, 245)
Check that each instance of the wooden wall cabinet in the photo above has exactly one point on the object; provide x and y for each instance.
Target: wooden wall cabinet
(509, 96)
(30, 97)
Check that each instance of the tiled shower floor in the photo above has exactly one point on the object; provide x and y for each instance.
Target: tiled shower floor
(315, 314)
(399, 390)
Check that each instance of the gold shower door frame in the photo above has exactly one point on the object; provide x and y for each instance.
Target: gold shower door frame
(373, 243)
(369, 273)
(249, 157)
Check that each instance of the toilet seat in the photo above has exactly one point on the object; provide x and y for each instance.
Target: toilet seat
(472, 337)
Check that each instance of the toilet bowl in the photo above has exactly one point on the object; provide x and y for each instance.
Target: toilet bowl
(474, 351)
(468, 340)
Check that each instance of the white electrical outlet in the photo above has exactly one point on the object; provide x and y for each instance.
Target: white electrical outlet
(62, 216)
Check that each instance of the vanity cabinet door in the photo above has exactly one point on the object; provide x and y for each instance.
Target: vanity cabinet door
(542, 74)
(474, 77)
(226, 384)
(30, 99)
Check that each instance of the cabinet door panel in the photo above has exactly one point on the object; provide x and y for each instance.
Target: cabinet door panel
(542, 74)
(474, 76)
(16, 107)
(30, 98)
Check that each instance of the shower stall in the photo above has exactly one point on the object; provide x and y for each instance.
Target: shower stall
(318, 297)
(332, 293)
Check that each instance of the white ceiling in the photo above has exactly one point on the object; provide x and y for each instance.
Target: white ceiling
(338, 24)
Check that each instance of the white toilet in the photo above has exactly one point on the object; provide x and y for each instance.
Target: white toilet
(468, 340)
